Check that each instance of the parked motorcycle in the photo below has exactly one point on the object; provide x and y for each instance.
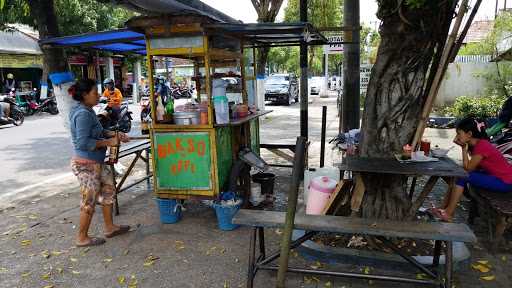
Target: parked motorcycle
(103, 112)
(16, 114)
(31, 104)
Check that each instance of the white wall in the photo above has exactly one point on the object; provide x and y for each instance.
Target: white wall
(463, 79)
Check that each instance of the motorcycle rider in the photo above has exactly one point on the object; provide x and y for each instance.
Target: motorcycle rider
(114, 98)
(504, 118)
(162, 90)
(9, 83)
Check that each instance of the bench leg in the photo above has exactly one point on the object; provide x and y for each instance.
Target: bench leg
(449, 264)
(252, 252)
(261, 239)
(501, 225)
(148, 181)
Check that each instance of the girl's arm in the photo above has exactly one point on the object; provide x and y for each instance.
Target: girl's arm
(470, 164)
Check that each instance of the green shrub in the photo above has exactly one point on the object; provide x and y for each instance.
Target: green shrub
(482, 107)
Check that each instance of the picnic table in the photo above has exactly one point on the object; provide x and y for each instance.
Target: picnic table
(133, 148)
(445, 169)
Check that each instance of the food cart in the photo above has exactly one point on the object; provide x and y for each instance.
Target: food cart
(195, 161)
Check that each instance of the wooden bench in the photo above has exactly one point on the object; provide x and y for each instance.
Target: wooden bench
(496, 208)
(439, 232)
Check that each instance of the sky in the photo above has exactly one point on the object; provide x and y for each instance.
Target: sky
(243, 9)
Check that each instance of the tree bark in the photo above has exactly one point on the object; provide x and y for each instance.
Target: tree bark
(267, 11)
(54, 59)
(410, 37)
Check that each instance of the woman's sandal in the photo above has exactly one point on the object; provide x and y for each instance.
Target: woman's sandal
(95, 241)
(123, 229)
(441, 214)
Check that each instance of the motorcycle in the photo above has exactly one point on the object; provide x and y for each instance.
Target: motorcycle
(47, 105)
(103, 112)
(16, 114)
(145, 114)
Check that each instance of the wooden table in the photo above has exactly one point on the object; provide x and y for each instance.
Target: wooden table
(445, 169)
(133, 148)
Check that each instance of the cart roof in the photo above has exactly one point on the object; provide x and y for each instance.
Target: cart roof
(256, 35)
(118, 41)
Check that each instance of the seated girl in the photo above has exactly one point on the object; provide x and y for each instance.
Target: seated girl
(487, 168)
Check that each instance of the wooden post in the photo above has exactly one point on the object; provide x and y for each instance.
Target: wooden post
(298, 171)
(439, 74)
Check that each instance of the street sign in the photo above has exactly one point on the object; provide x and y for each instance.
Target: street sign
(334, 45)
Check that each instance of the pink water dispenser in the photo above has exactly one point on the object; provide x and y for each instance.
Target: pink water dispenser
(320, 190)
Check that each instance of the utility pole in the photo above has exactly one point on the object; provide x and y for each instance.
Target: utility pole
(304, 74)
(351, 82)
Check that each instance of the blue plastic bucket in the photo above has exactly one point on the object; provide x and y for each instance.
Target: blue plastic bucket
(170, 210)
(225, 216)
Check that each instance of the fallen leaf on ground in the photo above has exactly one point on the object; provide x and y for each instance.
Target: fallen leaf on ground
(26, 242)
(237, 260)
(75, 272)
(279, 232)
(26, 274)
(3, 270)
(503, 258)
(328, 285)
(366, 270)
(150, 260)
(488, 278)
(107, 260)
(121, 279)
(480, 267)
(226, 284)
(317, 265)
(483, 262)
(6, 233)
(421, 276)
(85, 251)
(126, 252)
(45, 276)
(59, 270)
(73, 259)
(294, 253)
(45, 254)
(48, 286)
(33, 216)
(133, 282)
(56, 253)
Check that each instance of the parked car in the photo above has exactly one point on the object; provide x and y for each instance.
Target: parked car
(282, 88)
(315, 85)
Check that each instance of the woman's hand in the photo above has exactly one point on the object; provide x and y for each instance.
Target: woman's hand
(124, 137)
(112, 141)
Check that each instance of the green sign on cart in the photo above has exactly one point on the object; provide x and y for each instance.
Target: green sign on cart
(183, 160)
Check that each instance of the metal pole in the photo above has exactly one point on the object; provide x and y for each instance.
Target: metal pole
(303, 74)
(496, 10)
(298, 171)
(351, 81)
(322, 139)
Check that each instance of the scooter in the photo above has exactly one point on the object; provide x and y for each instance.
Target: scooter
(103, 112)
(47, 105)
(16, 114)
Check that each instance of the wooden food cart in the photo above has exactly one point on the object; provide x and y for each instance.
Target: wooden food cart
(194, 161)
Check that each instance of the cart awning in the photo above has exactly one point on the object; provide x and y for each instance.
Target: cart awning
(117, 41)
(270, 34)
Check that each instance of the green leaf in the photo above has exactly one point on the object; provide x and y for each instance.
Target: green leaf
(2, 4)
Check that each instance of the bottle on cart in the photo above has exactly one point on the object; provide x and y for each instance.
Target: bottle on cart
(160, 111)
(169, 108)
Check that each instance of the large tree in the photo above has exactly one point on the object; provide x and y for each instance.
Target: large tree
(267, 12)
(413, 34)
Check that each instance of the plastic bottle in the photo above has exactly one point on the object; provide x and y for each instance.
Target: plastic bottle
(160, 111)
(169, 108)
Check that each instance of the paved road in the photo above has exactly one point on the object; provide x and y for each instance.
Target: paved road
(36, 154)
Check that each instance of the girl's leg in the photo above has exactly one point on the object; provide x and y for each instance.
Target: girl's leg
(454, 200)
(108, 220)
(85, 223)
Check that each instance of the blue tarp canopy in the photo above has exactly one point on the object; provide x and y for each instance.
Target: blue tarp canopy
(117, 41)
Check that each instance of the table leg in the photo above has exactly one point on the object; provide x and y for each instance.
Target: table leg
(148, 181)
(261, 238)
(449, 264)
(115, 187)
(413, 187)
(424, 193)
(252, 252)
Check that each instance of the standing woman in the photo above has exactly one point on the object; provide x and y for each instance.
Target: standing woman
(90, 142)
(487, 168)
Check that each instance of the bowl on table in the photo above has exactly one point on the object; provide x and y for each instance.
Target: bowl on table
(439, 152)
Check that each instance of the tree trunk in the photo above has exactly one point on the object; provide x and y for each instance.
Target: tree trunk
(54, 59)
(396, 95)
(262, 60)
